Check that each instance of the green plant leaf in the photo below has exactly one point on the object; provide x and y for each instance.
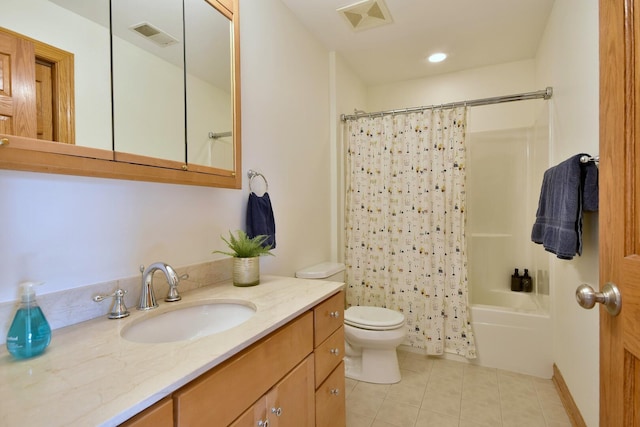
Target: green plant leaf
(244, 247)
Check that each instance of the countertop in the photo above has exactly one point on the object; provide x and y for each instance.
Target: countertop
(90, 376)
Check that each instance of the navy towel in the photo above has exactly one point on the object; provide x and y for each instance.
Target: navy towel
(260, 218)
(568, 189)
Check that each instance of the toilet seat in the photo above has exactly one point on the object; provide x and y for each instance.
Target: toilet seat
(373, 318)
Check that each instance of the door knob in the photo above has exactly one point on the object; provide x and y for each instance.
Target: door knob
(610, 297)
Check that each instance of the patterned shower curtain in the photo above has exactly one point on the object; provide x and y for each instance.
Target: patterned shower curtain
(405, 224)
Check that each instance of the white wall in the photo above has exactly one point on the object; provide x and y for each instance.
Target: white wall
(501, 79)
(568, 60)
(74, 231)
(285, 107)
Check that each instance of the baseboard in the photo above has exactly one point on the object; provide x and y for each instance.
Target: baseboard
(567, 401)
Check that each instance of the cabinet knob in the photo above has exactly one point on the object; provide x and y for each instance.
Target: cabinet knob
(264, 423)
(335, 391)
(335, 351)
(334, 314)
(277, 411)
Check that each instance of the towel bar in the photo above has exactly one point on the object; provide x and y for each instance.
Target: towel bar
(252, 174)
(587, 159)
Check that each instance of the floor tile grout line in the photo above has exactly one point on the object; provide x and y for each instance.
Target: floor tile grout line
(502, 381)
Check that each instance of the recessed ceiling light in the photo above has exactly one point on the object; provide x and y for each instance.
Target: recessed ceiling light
(437, 57)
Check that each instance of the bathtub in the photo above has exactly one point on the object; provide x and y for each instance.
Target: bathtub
(513, 332)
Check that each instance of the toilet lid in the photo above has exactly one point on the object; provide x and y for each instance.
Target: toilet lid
(373, 318)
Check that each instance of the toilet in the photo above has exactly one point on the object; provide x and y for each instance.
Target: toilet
(372, 334)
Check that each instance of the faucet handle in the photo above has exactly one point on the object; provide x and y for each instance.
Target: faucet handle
(119, 309)
(173, 280)
(173, 295)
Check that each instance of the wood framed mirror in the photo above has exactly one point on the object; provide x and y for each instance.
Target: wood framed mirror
(92, 144)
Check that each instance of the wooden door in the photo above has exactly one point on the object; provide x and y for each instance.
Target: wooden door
(620, 210)
(17, 87)
(36, 89)
(44, 100)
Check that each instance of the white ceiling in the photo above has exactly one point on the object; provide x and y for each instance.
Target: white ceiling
(473, 33)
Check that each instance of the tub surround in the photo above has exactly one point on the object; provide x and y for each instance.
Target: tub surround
(89, 375)
(516, 341)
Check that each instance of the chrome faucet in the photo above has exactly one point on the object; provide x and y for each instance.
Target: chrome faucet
(147, 296)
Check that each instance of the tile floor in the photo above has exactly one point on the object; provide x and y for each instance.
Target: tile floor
(443, 393)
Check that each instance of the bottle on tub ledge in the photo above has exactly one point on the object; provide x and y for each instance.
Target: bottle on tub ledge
(527, 282)
(516, 281)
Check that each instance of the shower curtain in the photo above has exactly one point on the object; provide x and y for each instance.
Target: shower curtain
(405, 216)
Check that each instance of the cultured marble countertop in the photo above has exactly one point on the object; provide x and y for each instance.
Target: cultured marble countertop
(90, 376)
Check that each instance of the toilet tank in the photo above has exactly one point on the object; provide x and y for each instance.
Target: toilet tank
(333, 271)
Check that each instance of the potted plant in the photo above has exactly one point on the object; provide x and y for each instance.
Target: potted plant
(246, 252)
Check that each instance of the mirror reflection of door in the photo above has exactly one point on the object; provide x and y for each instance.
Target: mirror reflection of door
(36, 89)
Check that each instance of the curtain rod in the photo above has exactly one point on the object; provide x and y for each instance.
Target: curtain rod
(545, 94)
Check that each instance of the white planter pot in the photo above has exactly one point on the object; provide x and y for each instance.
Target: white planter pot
(246, 271)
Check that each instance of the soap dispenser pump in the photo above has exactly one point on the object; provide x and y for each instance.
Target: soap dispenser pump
(29, 333)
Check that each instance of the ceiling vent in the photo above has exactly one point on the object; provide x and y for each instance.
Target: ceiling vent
(154, 34)
(366, 14)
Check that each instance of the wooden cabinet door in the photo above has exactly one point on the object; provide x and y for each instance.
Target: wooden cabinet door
(158, 415)
(255, 416)
(291, 403)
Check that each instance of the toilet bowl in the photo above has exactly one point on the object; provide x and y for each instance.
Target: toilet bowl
(372, 334)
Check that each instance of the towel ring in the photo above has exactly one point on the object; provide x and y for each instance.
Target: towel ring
(252, 174)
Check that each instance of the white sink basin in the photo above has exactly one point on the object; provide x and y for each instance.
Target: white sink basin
(190, 322)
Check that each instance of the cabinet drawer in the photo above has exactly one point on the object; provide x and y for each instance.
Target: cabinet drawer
(219, 396)
(329, 354)
(328, 316)
(330, 400)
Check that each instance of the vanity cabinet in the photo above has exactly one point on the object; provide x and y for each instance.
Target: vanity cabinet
(293, 377)
(328, 319)
(221, 395)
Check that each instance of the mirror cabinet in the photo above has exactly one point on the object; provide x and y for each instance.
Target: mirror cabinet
(128, 89)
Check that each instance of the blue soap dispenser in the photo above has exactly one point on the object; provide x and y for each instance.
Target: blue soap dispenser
(29, 333)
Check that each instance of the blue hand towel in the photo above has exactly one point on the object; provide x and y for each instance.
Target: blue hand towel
(260, 218)
(568, 189)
